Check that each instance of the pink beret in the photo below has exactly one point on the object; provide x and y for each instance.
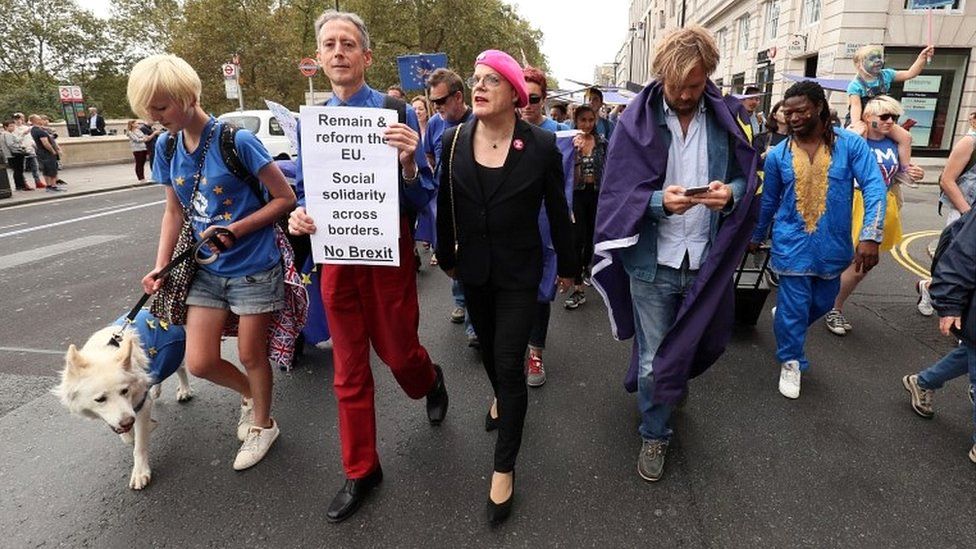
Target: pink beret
(510, 70)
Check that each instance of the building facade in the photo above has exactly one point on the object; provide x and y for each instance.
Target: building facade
(761, 42)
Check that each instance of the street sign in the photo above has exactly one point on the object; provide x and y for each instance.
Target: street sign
(65, 93)
(797, 45)
(231, 88)
(229, 70)
(76, 94)
(308, 66)
(70, 94)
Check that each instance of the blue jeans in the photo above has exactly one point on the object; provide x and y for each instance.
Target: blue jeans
(800, 301)
(457, 290)
(957, 363)
(656, 305)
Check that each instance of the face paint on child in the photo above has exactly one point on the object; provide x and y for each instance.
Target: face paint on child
(873, 63)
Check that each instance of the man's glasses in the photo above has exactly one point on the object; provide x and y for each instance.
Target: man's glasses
(888, 117)
(489, 80)
(534, 99)
(441, 100)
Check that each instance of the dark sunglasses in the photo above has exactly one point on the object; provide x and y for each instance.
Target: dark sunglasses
(886, 117)
(534, 99)
(441, 100)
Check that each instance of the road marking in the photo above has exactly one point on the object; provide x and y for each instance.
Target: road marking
(901, 254)
(12, 226)
(44, 252)
(110, 207)
(82, 218)
(35, 351)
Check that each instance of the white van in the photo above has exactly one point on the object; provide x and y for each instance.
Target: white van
(265, 126)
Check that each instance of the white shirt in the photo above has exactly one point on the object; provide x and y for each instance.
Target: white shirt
(686, 234)
(93, 122)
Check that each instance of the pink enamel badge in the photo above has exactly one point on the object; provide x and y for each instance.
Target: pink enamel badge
(518, 144)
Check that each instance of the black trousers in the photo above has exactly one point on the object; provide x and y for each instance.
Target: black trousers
(584, 213)
(17, 165)
(503, 319)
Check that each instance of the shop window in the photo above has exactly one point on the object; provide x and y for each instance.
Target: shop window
(924, 4)
(933, 98)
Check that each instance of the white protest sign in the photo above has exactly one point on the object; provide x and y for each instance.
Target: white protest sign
(351, 185)
(286, 120)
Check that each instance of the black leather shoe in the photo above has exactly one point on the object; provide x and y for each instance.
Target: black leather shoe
(498, 512)
(437, 399)
(351, 495)
(491, 423)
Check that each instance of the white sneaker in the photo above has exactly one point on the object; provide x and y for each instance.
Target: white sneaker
(924, 304)
(789, 379)
(247, 418)
(256, 445)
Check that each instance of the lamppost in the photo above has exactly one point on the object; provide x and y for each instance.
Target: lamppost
(630, 58)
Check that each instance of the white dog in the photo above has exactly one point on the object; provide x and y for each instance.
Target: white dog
(118, 383)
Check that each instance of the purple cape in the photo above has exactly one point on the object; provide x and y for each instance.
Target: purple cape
(636, 167)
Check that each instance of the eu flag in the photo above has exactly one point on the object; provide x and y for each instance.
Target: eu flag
(414, 69)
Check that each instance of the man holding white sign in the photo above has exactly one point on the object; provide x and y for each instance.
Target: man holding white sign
(373, 299)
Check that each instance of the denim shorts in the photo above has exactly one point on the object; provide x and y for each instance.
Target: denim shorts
(254, 294)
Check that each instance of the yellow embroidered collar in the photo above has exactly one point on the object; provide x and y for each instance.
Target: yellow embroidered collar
(811, 183)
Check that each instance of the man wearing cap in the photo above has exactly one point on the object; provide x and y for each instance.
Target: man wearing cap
(367, 304)
(673, 220)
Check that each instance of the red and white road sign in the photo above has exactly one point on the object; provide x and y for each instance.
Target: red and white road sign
(308, 66)
(229, 70)
(76, 94)
(65, 93)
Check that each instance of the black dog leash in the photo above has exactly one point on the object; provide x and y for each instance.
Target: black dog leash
(193, 251)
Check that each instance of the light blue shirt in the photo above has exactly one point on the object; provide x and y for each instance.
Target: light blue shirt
(686, 234)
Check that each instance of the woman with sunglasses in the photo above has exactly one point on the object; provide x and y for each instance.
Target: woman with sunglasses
(880, 116)
(496, 172)
(534, 113)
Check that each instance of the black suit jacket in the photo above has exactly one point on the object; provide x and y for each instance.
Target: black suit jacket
(498, 240)
(99, 125)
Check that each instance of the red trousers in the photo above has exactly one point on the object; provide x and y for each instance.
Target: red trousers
(375, 305)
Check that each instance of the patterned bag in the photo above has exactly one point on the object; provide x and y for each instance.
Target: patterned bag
(170, 300)
(169, 303)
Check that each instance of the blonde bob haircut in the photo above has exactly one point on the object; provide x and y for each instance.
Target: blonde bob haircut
(882, 104)
(162, 74)
(862, 53)
(679, 52)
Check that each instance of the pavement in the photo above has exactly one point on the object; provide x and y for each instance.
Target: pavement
(847, 465)
(80, 182)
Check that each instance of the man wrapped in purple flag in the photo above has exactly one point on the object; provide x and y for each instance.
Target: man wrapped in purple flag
(675, 213)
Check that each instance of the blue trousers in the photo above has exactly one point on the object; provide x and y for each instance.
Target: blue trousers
(656, 305)
(959, 362)
(801, 301)
(457, 290)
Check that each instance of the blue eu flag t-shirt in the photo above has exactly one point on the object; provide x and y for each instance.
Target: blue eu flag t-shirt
(221, 198)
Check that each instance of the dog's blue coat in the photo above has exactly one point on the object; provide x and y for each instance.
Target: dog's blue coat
(164, 345)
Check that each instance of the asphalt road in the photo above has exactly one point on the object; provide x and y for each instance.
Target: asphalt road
(848, 464)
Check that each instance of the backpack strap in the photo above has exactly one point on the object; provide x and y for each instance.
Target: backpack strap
(232, 159)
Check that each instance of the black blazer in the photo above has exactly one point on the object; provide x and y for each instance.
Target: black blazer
(99, 125)
(498, 230)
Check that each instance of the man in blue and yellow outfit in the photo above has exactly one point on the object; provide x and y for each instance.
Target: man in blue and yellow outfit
(809, 191)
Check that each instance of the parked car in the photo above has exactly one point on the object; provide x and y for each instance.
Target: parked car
(265, 126)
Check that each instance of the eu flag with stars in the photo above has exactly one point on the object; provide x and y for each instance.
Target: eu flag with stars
(414, 69)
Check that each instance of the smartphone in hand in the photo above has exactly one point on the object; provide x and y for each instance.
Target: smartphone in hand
(692, 191)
